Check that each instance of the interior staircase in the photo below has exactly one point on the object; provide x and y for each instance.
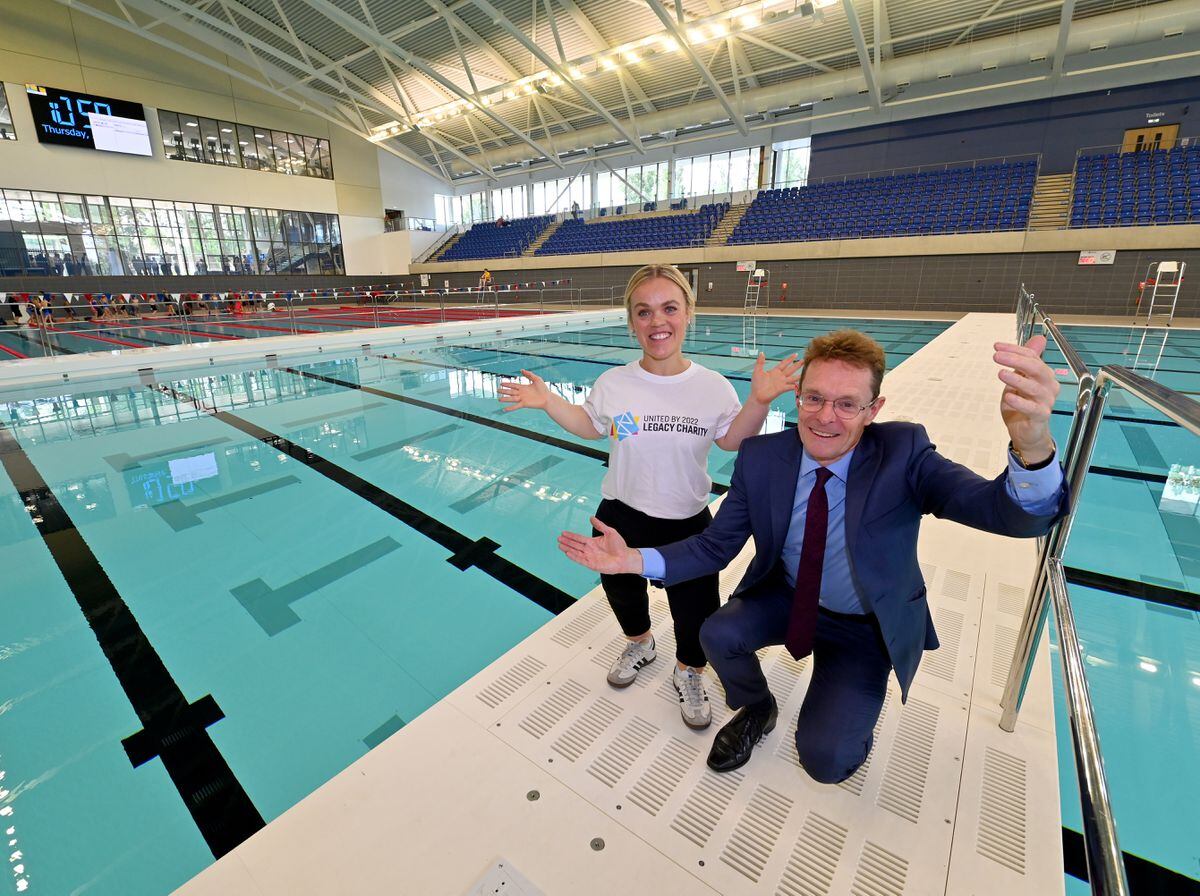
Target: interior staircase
(541, 238)
(1051, 205)
(724, 228)
(437, 256)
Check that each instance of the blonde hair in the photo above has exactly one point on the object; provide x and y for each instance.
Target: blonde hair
(658, 271)
(852, 347)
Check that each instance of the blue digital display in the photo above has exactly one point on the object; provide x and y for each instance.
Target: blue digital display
(63, 117)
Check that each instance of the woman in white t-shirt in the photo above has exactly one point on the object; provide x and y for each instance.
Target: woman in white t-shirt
(661, 414)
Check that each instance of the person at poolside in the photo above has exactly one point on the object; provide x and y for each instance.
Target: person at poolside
(662, 414)
(835, 515)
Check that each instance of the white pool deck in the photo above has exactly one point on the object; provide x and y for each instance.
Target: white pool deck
(536, 777)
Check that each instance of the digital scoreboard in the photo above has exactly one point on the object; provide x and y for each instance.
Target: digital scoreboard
(67, 118)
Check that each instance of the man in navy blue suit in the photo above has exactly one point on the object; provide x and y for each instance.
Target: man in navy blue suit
(835, 515)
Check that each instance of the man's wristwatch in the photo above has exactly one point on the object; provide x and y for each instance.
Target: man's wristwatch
(1040, 464)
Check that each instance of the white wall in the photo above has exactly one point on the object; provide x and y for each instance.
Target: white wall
(407, 187)
(43, 42)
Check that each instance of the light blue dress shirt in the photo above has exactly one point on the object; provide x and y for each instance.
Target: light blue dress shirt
(1036, 491)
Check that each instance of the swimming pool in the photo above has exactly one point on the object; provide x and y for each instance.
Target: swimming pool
(1134, 576)
(224, 587)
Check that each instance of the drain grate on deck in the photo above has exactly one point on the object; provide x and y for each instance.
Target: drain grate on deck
(757, 832)
(508, 683)
(903, 787)
(582, 733)
(815, 858)
(553, 708)
(658, 782)
(1002, 816)
(623, 751)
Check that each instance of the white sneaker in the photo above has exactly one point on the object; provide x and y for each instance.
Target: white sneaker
(693, 700)
(635, 655)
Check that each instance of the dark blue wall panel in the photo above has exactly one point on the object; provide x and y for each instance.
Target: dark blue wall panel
(1057, 128)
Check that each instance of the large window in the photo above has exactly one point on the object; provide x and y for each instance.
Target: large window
(553, 196)
(6, 125)
(510, 202)
(465, 210)
(632, 186)
(76, 235)
(194, 138)
(791, 163)
(721, 172)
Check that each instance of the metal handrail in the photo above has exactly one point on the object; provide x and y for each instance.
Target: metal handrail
(1105, 865)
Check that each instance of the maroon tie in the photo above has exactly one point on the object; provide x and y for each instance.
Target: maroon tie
(802, 624)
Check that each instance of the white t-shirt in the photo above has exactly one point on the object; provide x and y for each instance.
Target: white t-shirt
(660, 429)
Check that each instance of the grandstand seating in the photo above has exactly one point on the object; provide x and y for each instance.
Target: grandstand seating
(487, 240)
(1155, 187)
(955, 200)
(656, 232)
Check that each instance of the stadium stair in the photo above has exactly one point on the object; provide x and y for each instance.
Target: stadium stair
(532, 248)
(1051, 206)
(446, 246)
(720, 235)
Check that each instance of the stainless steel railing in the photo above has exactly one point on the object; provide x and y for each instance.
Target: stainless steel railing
(1104, 858)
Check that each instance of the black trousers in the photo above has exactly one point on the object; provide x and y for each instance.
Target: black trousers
(691, 602)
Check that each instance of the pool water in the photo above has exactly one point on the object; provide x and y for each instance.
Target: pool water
(224, 588)
(1134, 580)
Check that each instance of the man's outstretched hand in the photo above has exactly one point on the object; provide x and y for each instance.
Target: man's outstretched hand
(1029, 392)
(606, 553)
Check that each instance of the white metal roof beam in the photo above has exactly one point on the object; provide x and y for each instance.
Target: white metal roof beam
(373, 38)
(677, 32)
(321, 111)
(1064, 29)
(598, 41)
(991, 9)
(883, 31)
(532, 46)
(786, 54)
(864, 57)
(457, 24)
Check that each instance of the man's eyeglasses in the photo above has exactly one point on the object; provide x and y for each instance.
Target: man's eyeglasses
(846, 408)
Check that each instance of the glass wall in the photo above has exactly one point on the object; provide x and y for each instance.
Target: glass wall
(510, 202)
(193, 138)
(553, 196)
(466, 210)
(791, 163)
(77, 235)
(720, 172)
(632, 186)
(6, 125)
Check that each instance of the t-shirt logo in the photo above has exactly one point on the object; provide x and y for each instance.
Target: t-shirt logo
(624, 425)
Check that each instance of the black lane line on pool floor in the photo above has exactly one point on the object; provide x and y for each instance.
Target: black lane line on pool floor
(465, 552)
(173, 730)
(594, 453)
(1151, 592)
(1145, 877)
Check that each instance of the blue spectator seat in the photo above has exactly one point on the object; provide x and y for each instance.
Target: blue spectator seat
(955, 200)
(657, 232)
(1134, 188)
(487, 240)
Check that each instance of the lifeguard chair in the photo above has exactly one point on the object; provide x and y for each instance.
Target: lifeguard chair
(1159, 292)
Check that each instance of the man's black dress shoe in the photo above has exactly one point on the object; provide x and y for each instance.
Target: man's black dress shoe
(736, 740)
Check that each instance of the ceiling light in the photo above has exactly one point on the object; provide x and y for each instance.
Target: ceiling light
(511, 94)
(608, 64)
(189, 124)
(695, 35)
(528, 88)
(719, 30)
(749, 20)
(576, 73)
(226, 130)
(631, 56)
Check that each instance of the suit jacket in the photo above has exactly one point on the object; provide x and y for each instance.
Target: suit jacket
(895, 477)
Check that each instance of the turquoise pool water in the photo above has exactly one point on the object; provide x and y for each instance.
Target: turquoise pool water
(1134, 580)
(223, 589)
